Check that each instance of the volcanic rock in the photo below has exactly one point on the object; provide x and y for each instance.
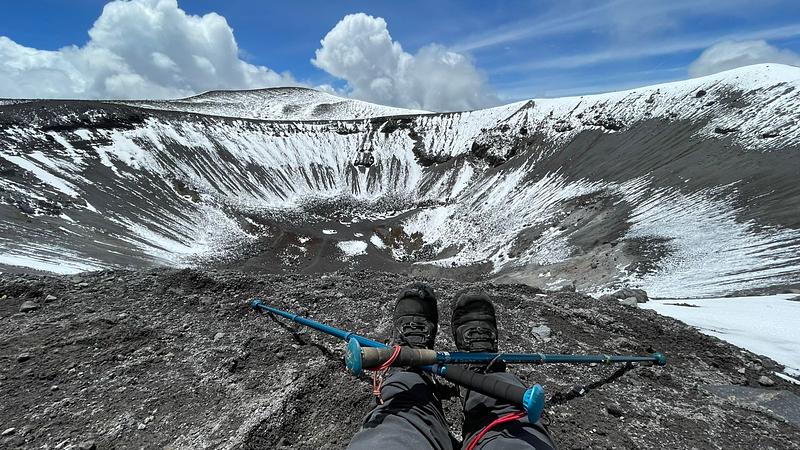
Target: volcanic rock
(28, 306)
(639, 295)
(284, 372)
(766, 381)
(87, 445)
(541, 331)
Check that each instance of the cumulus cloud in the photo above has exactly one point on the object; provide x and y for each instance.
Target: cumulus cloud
(137, 49)
(732, 54)
(360, 50)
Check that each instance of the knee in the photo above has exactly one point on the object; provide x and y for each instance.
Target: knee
(406, 383)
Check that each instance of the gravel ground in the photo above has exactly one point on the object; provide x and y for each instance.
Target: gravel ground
(177, 359)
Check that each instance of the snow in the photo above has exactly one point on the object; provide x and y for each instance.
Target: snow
(277, 104)
(766, 325)
(707, 242)
(352, 248)
(377, 241)
(787, 378)
(475, 211)
(48, 263)
(42, 174)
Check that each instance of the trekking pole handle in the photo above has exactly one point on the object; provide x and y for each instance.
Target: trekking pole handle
(408, 357)
(532, 399)
(358, 358)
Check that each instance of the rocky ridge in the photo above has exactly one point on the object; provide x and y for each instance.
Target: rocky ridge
(177, 359)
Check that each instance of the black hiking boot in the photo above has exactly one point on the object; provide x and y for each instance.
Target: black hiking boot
(415, 317)
(474, 326)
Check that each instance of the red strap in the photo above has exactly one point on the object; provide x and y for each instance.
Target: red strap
(502, 419)
(379, 372)
(391, 359)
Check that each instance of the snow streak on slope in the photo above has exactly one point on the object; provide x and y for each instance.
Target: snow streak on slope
(686, 189)
(276, 104)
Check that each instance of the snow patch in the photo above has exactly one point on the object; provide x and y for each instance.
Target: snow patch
(766, 325)
(57, 265)
(352, 248)
(377, 241)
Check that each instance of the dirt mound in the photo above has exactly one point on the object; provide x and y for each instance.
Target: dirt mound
(177, 359)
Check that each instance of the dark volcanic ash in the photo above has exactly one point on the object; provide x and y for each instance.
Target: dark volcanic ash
(177, 359)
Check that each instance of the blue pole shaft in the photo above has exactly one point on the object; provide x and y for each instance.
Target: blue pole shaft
(327, 329)
(542, 358)
(531, 399)
(336, 332)
(466, 357)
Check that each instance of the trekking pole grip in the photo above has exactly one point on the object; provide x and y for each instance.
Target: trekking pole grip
(358, 358)
(531, 399)
(408, 357)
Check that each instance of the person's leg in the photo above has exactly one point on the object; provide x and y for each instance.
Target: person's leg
(480, 411)
(474, 325)
(410, 417)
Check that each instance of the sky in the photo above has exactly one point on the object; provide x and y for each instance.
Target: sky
(434, 55)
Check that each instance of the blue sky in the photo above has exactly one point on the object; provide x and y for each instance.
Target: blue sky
(524, 49)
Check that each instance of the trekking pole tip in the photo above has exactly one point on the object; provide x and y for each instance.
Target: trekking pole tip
(659, 359)
(255, 303)
(533, 401)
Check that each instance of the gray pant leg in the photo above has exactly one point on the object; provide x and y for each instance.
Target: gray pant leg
(410, 417)
(480, 411)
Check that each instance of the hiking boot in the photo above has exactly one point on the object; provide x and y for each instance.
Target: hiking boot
(474, 322)
(415, 317)
(474, 326)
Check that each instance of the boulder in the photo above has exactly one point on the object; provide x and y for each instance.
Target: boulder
(630, 301)
(87, 445)
(639, 294)
(766, 381)
(28, 306)
(541, 331)
(615, 411)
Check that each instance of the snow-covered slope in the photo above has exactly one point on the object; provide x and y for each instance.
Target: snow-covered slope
(766, 325)
(685, 189)
(276, 104)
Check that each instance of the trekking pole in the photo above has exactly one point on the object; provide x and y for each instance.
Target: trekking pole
(531, 399)
(373, 357)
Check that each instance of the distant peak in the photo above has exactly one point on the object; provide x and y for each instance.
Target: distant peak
(267, 90)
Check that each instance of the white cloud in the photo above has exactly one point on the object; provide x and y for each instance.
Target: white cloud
(137, 49)
(731, 54)
(360, 51)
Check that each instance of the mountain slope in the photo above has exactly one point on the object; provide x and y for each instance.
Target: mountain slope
(276, 104)
(685, 189)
